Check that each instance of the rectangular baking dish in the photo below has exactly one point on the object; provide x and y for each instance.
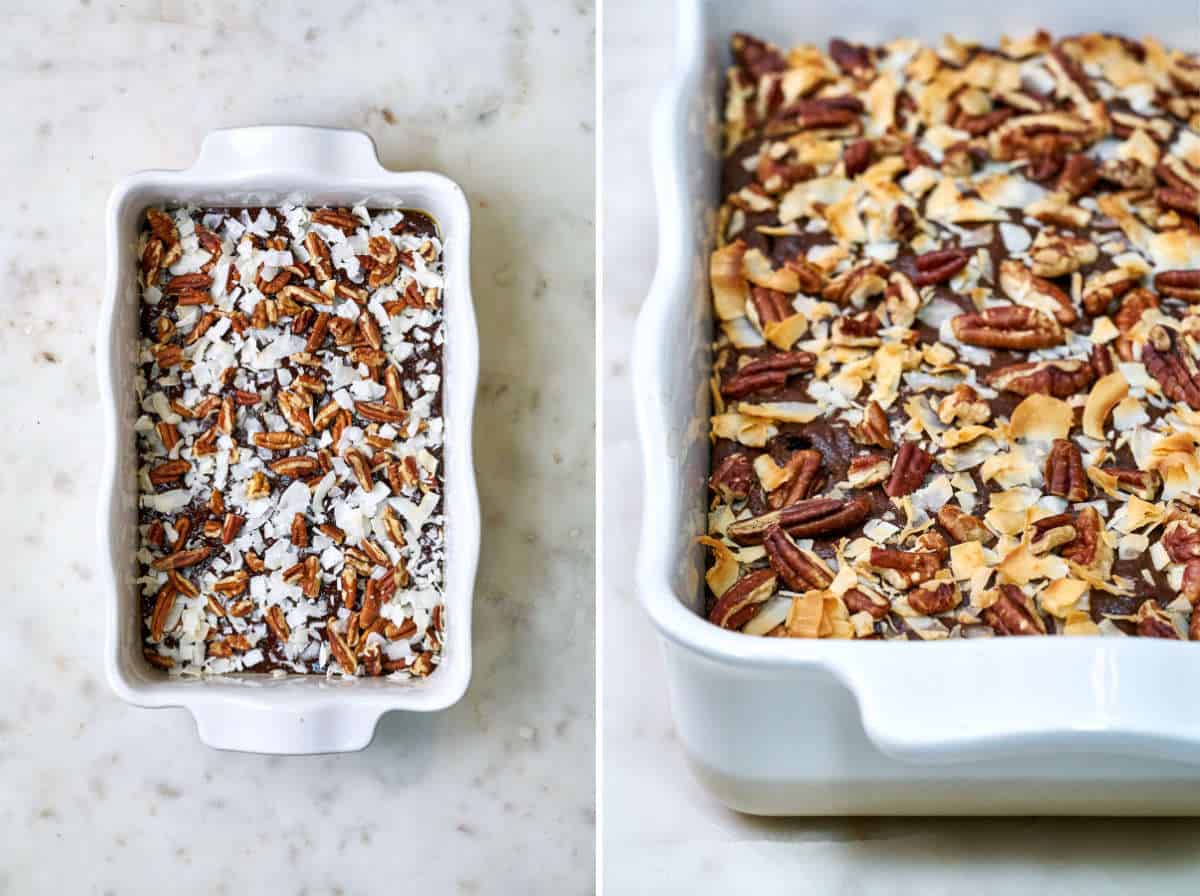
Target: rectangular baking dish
(798, 727)
(269, 166)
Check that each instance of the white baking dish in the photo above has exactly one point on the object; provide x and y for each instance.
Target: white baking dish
(779, 726)
(270, 166)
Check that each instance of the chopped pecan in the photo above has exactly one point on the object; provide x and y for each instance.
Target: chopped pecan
(738, 605)
(756, 56)
(874, 428)
(1181, 541)
(232, 584)
(867, 470)
(853, 59)
(379, 412)
(1101, 361)
(940, 266)
(965, 405)
(733, 478)
(1189, 587)
(1061, 379)
(962, 526)
(800, 570)
(1100, 290)
(1008, 327)
(1011, 615)
(804, 465)
(1129, 174)
(1143, 483)
(857, 157)
(805, 519)
(855, 286)
(771, 372)
(865, 600)
(908, 470)
(230, 527)
(1026, 288)
(1183, 285)
(164, 602)
(343, 219)
(1064, 472)
(277, 441)
(934, 598)
(1055, 253)
(170, 471)
(904, 569)
(1052, 532)
(1153, 622)
(770, 305)
(339, 649)
(856, 330)
(1184, 200)
(1174, 370)
(1089, 549)
(1079, 174)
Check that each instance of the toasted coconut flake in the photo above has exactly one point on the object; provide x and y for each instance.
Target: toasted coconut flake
(750, 431)
(729, 287)
(1041, 418)
(724, 570)
(782, 411)
(757, 268)
(1061, 596)
(787, 332)
(1105, 394)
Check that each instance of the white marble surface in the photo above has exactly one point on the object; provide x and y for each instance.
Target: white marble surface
(493, 796)
(661, 832)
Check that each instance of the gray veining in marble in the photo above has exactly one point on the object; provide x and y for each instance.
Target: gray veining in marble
(492, 796)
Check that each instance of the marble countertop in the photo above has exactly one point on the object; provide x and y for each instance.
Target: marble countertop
(662, 833)
(492, 796)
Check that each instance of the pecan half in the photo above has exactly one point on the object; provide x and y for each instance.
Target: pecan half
(1175, 372)
(756, 56)
(1055, 253)
(1061, 379)
(1010, 615)
(857, 157)
(800, 570)
(1064, 472)
(181, 559)
(865, 600)
(1189, 587)
(855, 286)
(1007, 327)
(1052, 532)
(295, 467)
(733, 478)
(770, 305)
(1183, 285)
(934, 598)
(965, 405)
(1181, 540)
(852, 59)
(867, 470)
(962, 526)
(738, 605)
(1089, 549)
(904, 569)
(940, 266)
(908, 470)
(805, 519)
(873, 429)
(277, 441)
(771, 372)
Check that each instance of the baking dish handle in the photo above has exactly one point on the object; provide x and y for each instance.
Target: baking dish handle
(252, 728)
(949, 703)
(271, 149)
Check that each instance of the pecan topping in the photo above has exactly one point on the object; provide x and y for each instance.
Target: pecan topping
(804, 466)
(1055, 253)
(850, 58)
(756, 56)
(905, 569)
(934, 598)
(800, 570)
(908, 471)
(868, 470)
(1100, 290)
(1007, 327)
(1026, 288)
(940, 266)
(1064, 472)
(806, 519)
(874, 429)
(180, 559)
(771, 372)
(1183, 285)
(865, 600)
(1061, 379)
(738, 605)
(1176, 372)
(770, 305)
(962, 526)
(733, 478)
(1010, 615)
(1153, 622)
(857, 157)
(1143, 483)
(1079, 175)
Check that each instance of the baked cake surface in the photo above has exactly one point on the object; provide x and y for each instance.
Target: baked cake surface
(955, 385)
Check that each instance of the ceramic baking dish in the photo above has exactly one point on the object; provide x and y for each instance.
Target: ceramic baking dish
(779, 726)
(270, 166)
